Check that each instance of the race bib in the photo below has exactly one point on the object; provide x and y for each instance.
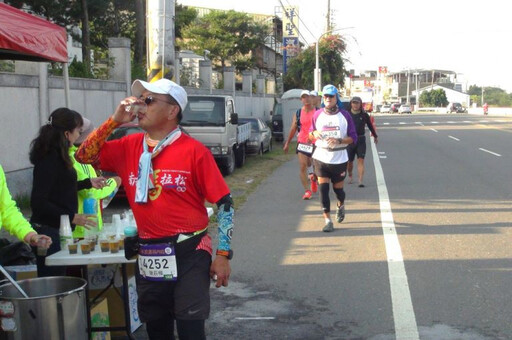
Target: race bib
(305, 148)
(157, 262)
(331, 133)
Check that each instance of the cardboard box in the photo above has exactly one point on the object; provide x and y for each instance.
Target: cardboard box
(100, 318)
(134, 313)
(99, 276)
(22, 272)
(115, 301)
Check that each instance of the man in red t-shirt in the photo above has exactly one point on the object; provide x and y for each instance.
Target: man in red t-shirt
(168, 176)
(301, 122)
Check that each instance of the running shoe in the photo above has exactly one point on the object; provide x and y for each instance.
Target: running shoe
(314, 186)
(307, 195)
(328, 227)
(340, 214)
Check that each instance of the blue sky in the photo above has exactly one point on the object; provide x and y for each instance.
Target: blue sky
(469, 38)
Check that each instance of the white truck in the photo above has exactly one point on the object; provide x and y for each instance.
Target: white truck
(212, 120)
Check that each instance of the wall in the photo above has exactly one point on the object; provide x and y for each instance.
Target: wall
(95, 99)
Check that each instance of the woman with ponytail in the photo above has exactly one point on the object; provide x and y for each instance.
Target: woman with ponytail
(55, 186)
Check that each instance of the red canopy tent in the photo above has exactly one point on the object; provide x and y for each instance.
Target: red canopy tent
(26, 37)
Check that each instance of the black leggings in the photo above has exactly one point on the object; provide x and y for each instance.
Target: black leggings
(324, 196)
(163, 329)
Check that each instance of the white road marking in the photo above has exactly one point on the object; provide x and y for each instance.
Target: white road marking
(383, 157)
(434, 130)
(382, 153)
(435, 122)
(385, 124)
(451, 122)
(500, 121)
(458, 140)
(403, 310)
(492, 153)
(484, 121)
(420, 123)
(467, 121)
(402, 123)
(256, 318)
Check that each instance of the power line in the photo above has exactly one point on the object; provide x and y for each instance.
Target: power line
(304, 24)
(286, 13)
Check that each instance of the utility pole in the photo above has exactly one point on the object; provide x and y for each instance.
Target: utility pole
(407, 86)
(417, 92)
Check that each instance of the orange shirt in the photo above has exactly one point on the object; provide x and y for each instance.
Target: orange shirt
(306, 118)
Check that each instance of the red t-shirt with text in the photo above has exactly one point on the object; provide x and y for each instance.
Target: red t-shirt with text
(184, 174)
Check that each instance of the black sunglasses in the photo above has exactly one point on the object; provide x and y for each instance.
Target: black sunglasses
(329, 95)
(149, 99)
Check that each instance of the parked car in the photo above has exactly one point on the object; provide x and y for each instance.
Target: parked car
(277, 122)
(456, 107)
(395, 107)
(404, 109)
(261, 136)
(385, 109)
(123, 130)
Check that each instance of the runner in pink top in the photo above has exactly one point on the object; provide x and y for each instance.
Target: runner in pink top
(301, 122)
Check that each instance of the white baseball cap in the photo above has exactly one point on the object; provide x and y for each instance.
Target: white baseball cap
(86, 129)
(305, 92)
(162, 86)
(313, 93)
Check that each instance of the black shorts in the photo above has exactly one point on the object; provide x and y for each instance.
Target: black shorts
(188, 298)
(358, 149)
(336, 172)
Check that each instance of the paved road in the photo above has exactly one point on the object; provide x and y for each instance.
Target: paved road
(447, 178)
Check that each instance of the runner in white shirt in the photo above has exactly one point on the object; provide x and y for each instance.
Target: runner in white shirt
(333, 130)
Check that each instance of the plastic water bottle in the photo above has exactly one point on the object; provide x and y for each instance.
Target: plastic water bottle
(106, 201)
(65, 233)
(90, 206)
(130, 231)
(131, 242)
(117, 224)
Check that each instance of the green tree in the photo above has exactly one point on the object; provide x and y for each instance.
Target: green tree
(228, 35)
(184, 16)
(434, 98)
(493, 96)
(426, 98)
(301, 68)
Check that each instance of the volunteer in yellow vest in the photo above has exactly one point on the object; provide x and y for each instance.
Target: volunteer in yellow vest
(84, 171)
(13, 221)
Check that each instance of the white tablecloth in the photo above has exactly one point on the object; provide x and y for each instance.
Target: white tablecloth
(64, 258)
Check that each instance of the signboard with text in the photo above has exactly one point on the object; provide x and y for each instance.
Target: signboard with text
(291, 45)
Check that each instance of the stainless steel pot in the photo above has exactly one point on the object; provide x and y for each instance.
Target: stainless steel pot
(56, 309)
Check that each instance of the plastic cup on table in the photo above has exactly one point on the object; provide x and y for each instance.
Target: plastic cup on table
(42, 247)
(114, 246)
(73, 248)
(85, 247)
(104, 245)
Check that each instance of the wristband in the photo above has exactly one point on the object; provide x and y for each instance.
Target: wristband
(227, 253)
